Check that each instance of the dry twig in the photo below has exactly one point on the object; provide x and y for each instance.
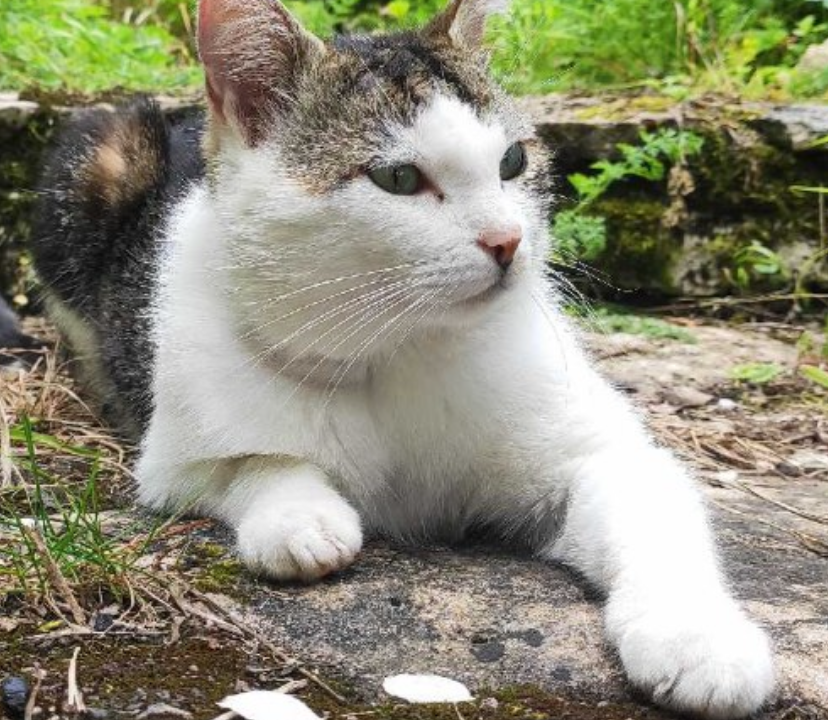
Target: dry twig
(55, 576)
(74, 696)
(31, 703)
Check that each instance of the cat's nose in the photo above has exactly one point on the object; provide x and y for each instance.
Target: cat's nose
(501, 244)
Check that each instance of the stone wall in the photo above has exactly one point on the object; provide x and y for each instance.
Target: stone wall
(739, 188)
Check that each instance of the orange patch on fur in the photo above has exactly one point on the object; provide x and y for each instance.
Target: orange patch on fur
(125, 163)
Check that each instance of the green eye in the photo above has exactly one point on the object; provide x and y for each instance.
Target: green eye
(398, 179)
(513, 162)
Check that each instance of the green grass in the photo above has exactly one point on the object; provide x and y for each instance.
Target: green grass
(756, 373)
(77, 46)
(678, 48)
(49, 523)
(681, 48)
(609, 320)
(815, 374)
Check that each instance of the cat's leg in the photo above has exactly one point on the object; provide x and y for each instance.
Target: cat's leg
(635, 525)
(290, 522)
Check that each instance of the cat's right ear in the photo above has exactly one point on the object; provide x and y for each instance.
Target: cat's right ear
(464, 21)
(252, 52)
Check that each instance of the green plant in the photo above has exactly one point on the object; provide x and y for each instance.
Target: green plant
(815, 374)
(818, 257)
(580, 235)
(648, 161)
(679, 48)
(55, 533)
(756, 373)
(756, 261)
(611, 320)
(812, 355)
(810, 350)
(75, 45)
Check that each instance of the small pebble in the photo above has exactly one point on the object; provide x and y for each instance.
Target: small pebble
(93, 713)
(102, 621)
(14, 692)
(789, 469)
(163, 710)
(726, 404)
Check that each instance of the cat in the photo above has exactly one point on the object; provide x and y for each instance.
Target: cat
(337, 324)
(17, 349)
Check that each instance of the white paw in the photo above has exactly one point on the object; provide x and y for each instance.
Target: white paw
(714, 662)
(301, 541)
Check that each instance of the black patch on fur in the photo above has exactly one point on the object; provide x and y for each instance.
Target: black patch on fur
(97, 227)
(400, 57)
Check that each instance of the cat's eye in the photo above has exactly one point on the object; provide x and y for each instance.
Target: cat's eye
(398, 179)
(513, 162)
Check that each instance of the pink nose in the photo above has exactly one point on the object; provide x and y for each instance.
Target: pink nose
(501, 244)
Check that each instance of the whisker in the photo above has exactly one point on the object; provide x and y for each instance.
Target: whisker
(326, 299)
(540, 301)
(359, 323)
(438, 296)
(370, 302)
(340, 374)
(328, 281)
(570, 292)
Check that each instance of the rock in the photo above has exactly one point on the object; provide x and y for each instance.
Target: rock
(103, 620)
(14, 693)
(14, 112)
(162, 710)
(809, 460)
(94, 713)
(686, 396)
(752, 154)
(815, 58)
(545, 622)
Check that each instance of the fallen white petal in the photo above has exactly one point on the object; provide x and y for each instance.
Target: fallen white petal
(267, 705)
(426, 689)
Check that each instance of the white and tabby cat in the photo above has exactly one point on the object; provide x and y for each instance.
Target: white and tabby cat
(338, 326)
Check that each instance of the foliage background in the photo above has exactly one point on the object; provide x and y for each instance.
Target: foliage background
(749, 47)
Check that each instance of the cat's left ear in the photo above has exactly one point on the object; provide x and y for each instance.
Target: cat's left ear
(464, 21)
(253, 52)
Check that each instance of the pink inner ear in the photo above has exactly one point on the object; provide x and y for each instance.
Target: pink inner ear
(240, 58)
(210, 17)
(250, 50)
(212, 14)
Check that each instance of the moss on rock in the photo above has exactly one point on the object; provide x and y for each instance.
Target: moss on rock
(21, 148)
(640, 251)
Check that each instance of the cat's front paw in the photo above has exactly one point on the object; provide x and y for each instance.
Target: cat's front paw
(301, 542)
(715, 663)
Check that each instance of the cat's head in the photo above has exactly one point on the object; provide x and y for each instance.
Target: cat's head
(389, 168)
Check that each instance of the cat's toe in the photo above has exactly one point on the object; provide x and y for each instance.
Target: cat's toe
(301, 543)
(716, 664)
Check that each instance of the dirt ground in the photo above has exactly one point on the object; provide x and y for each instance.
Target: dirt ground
(152, 636)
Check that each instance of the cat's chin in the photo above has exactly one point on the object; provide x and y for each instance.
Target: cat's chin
(471, 310)
(489, 297)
